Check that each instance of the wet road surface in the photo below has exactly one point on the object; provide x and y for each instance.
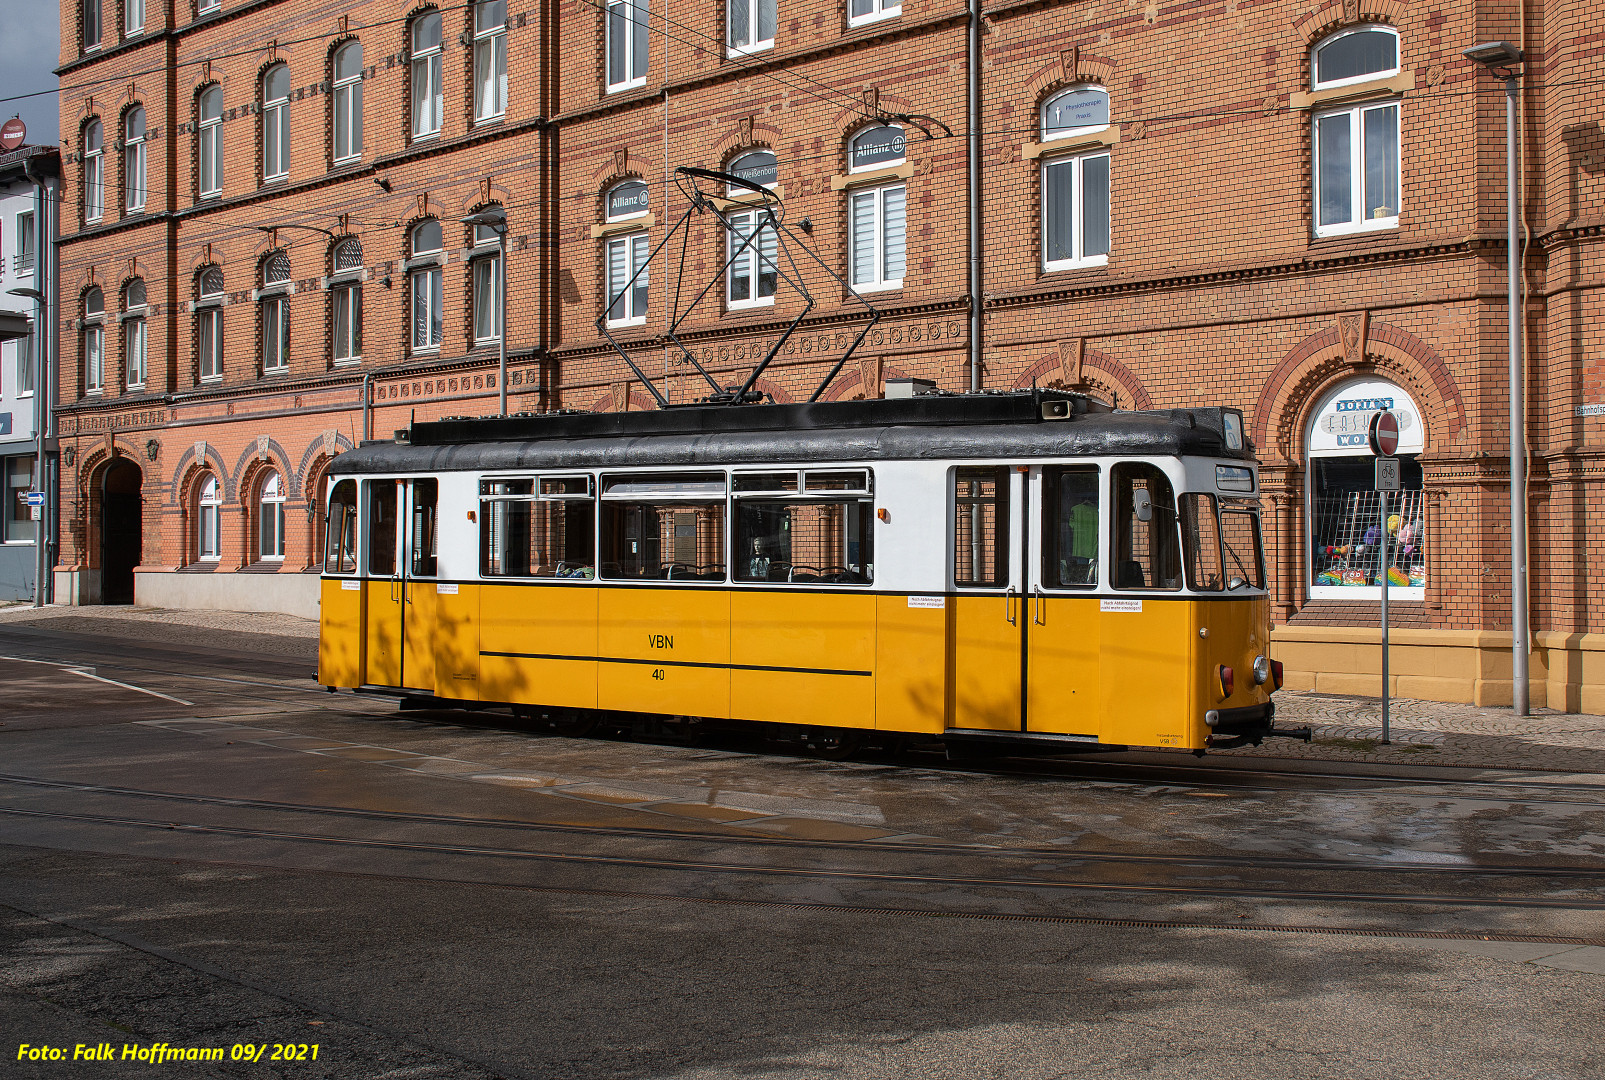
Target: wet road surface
(199, 844)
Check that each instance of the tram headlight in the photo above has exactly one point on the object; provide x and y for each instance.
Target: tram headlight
(1262, 670)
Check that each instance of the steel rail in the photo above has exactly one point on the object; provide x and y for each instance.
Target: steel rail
(687, 865)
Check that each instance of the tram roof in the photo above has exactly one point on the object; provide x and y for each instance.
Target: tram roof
(1027, 424)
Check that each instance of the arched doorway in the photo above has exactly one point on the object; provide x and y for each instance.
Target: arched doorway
(121, 530)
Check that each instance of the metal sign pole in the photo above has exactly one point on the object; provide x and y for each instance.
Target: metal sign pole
(1383, 563)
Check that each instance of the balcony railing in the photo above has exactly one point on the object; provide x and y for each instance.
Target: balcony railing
(22, 262)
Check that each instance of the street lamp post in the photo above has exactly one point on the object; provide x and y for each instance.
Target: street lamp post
(40, 404)
(1499, 57)
(495, 218)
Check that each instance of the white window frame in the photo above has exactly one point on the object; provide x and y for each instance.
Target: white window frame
(1081, 130)
(24, 355)
(210, 145)
(275, 334)
(94, 359)
(1352, 80)
(348, 107)
(878, 10)
(94, 172)
(136, 342)
(754, 10)
(133, 17)
(209, 343)
(275, 129)
(347, 297)
(204, 6)
(427, 285)
(429, 105)
(490, 63)
(637, 249)
(487, 297)
(134, 162)
(876, 165)
(270, 508)
(1078, 205)
(27, 255)
(208, 511)
(1358, 221)
(882, 281)
(94, 25)
(634, 13)
(748, 261)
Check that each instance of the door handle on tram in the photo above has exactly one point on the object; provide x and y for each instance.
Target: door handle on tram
(1042, 606)
(395, 590)
(1008, 606)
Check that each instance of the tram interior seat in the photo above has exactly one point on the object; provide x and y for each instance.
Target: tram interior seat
(1129, 575)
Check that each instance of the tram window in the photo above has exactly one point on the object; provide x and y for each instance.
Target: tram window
(664, 541)
(340, 536)
(678, 484)
(856, 480)
(769, 481)
(980, 534)
(1070, 527)
(1146, 554)
(424, 543)
(382, 527)
(547, 535)
(805, 542)
(1200, 538)
(1244, 549)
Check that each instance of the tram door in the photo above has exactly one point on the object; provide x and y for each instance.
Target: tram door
(986, 629)
(399, 606)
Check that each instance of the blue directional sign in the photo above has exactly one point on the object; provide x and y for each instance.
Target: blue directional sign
(36, 498)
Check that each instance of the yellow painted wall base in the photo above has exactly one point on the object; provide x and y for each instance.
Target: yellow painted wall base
(1565, 671)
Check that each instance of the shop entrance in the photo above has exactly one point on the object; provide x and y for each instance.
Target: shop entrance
(121, 530)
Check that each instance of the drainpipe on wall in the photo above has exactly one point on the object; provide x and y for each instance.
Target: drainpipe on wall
(973, 118)
(367, 406)
(42, 382)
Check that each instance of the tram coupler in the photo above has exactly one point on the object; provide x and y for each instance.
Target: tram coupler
(1291, 733)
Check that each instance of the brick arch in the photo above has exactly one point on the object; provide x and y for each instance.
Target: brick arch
(186, 468)
(1054, 76)
(777, 393)
(635, 402)
(86, 523)
(1333, 15)
(1100, 372)
(318, 449)
(1318, 363)
(765, 136)
(853, 117)
(247, 465)
(843, 385)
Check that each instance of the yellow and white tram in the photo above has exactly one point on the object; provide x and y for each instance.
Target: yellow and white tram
(1025, 568)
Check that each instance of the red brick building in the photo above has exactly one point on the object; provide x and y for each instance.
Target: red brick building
(1296, 209)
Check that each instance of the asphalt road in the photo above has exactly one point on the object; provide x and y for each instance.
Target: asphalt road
(201, 849)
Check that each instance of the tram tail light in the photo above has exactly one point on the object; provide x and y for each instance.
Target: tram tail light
(1227, 681)
(1276, 673)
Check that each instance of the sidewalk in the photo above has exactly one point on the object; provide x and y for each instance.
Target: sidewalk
(1345, 728)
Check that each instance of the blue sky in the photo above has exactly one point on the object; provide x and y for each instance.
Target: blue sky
(30, 39)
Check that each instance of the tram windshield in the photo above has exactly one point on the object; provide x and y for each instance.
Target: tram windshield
(340, 540)
(1243, 546)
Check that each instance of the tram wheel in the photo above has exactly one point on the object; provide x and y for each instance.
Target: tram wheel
(835, 744)
(573, 723)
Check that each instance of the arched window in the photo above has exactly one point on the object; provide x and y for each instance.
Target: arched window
(94, 171)
(94, 341)
(1079, 110)
(134, 159)
(275, 302)
(1075, 186)
(209, 146)
(348, 102)
(276, 123)
(208, 504)
(1345, 516)
(428, 286)
(1356, 145)
(270, 518)
(345, 289)
(490, 59)
(209, 325)
(135, 348)
(876, 216)
(428, 101)
(753, 272)
(626, 254)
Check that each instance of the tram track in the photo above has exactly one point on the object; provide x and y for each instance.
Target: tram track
(1061, 854)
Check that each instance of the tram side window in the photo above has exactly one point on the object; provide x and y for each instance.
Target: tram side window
(1200, 534)
(654, 528)
(382, 527)
(1146, 554)
(340, 537)
(981, 527)
(1243, 547)
(1070, 526)
(542, 528)
(425, 545)
(805, 537)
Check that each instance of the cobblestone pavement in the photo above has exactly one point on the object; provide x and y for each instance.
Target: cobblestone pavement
(1344, 728)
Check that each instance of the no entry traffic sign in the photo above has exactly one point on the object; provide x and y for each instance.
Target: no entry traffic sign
(1384, 434)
